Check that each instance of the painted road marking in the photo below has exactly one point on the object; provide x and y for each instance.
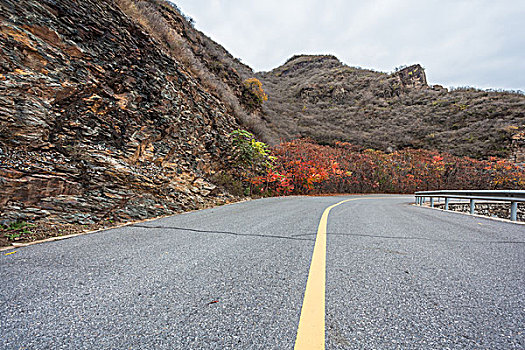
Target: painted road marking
(10, 253)
(311, 330)
(310, 333)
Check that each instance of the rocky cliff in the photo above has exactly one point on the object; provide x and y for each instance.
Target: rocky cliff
(97, 121)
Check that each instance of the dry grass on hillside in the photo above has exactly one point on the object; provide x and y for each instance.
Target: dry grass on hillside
(320, 98)
(219, 72)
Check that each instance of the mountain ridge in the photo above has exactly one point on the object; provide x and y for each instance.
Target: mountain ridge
(279, 121)
(319, 97)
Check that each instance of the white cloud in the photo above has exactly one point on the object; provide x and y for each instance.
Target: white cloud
(460, 42)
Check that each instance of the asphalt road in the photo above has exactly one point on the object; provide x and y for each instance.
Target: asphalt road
(234, 277)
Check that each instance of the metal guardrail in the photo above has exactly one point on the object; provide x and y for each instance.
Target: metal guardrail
(514, 197)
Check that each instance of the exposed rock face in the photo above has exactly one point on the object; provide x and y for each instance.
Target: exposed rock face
(208, 61)
(96, 121)
(413, 76)
(518, 147)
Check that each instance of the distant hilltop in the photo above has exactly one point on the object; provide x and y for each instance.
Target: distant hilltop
(413, 76)
(319, 97)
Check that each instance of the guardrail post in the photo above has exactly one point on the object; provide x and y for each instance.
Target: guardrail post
(446, 203)
(432, 202)
(472, 206)
(513, 211)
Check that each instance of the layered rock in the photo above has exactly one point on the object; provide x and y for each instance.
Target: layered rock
(97, 122)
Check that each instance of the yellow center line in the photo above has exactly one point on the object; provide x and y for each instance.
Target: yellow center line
(310, 333)
(311, 330)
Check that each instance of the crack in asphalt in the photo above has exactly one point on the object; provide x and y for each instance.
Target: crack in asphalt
(294, 238)
(297, 237)
(410, 238)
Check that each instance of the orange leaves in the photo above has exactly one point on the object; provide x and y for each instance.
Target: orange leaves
(304, 167)
(273, 183)
(336, 170)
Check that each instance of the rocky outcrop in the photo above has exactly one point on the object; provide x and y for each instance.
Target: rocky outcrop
(413, 76)
(209, 62)
(518, 147)
(97, 122)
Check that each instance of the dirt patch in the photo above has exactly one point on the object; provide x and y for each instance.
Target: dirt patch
(23, 232)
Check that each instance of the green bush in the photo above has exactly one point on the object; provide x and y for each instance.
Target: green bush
(251, 158)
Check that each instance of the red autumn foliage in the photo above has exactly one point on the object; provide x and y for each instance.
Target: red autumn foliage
(304, 167)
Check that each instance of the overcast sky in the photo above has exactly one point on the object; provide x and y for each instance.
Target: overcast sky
(459, 42)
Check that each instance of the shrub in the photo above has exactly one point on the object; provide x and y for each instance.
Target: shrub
(305, 167)
(251, 158)
(253, 93)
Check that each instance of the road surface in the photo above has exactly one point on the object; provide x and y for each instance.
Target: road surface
(234, 277)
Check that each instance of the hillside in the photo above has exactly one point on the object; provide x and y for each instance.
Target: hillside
(98, 121)
(216, 69)
(321, 98)
(117, 110)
